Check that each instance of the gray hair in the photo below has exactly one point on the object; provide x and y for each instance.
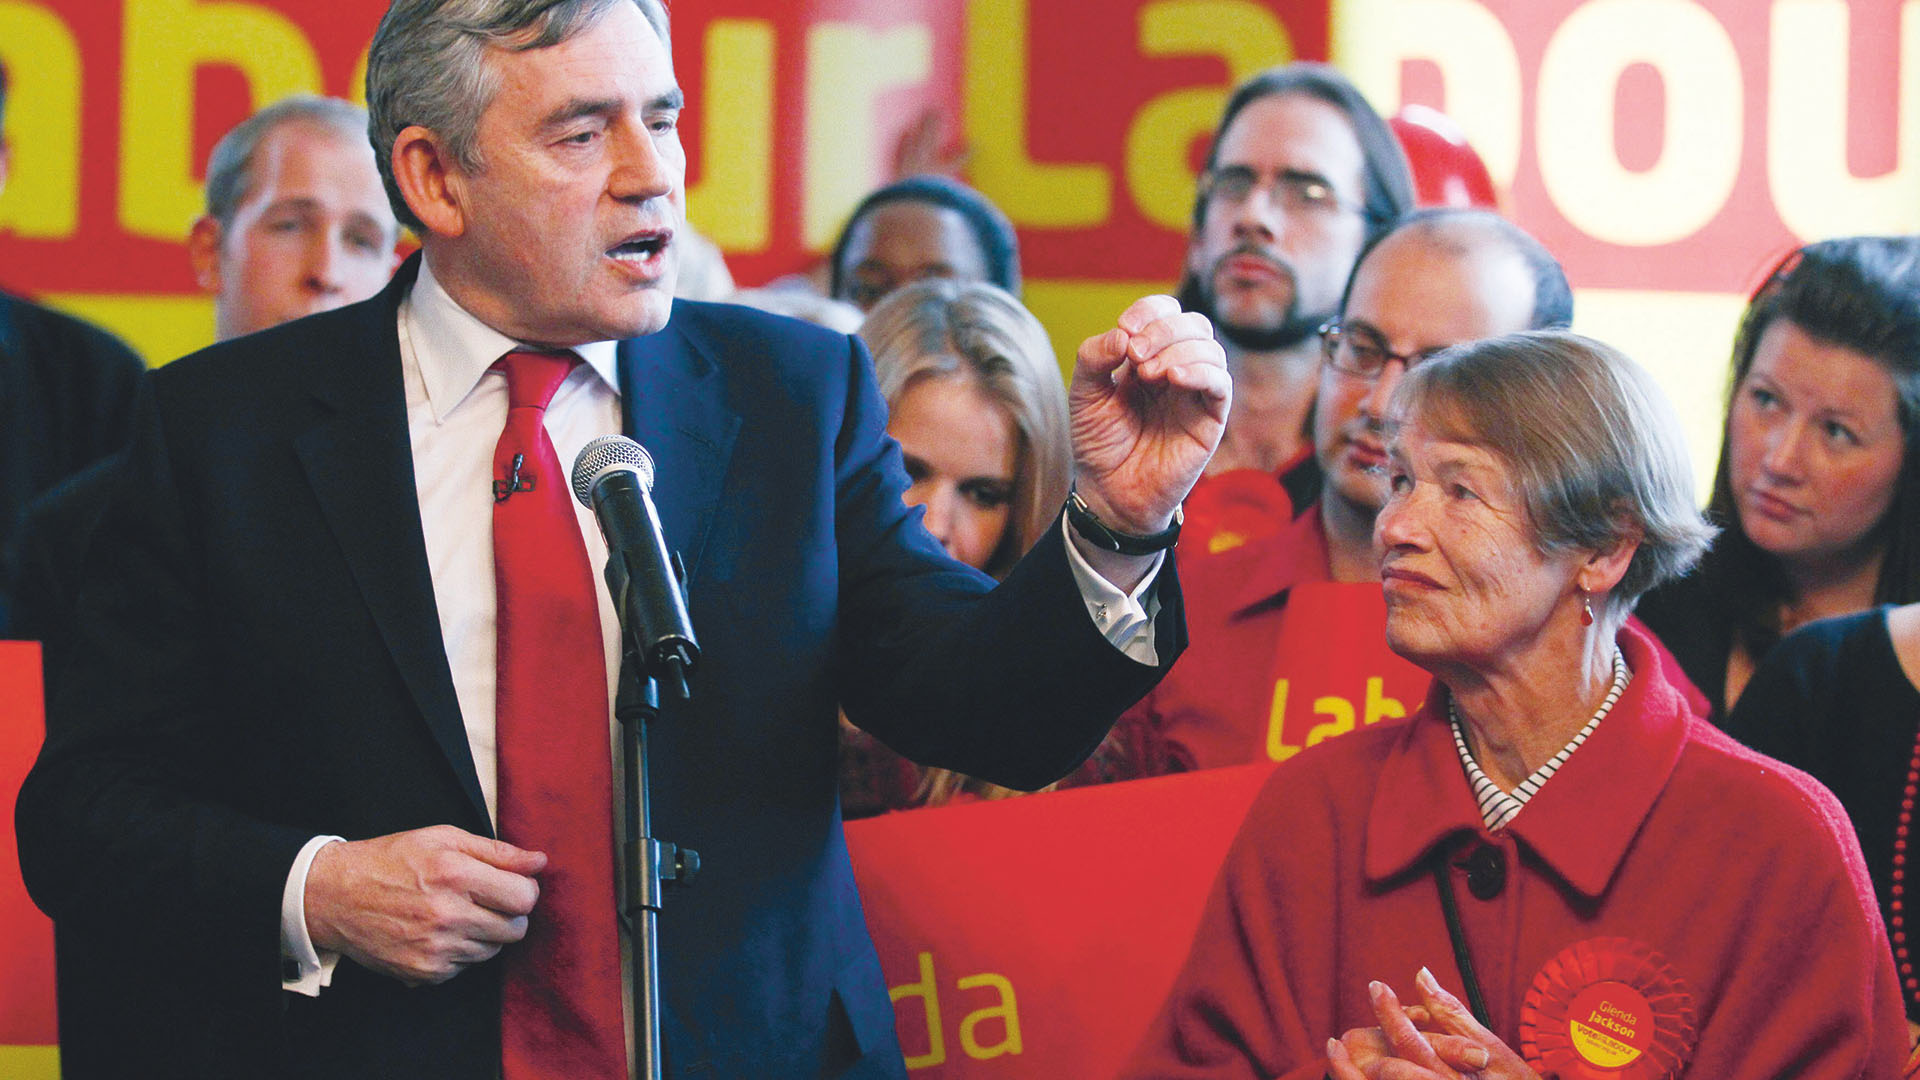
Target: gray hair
(939, 328)
(1594, 446)
(230, 167)
(427, 67)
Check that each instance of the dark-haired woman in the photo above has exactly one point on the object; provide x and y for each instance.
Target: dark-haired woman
(1816, 490)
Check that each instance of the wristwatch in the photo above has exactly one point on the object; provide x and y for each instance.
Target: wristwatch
(1107, 538)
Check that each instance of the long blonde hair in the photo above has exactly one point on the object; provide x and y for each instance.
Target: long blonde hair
(942, 328)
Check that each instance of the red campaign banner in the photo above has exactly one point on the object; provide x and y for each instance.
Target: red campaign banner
(26, 936)
(1081, 127)
(1036, 937)
(1653, 144)
(1657, 145)
(1333, 672)
(1667, 151)
(1087, 131)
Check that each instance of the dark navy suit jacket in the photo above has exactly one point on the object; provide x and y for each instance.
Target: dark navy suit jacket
(261, 662)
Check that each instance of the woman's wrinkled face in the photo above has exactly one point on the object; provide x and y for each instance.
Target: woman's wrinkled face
(1814, 448)
(1463, 579)
(961, 452)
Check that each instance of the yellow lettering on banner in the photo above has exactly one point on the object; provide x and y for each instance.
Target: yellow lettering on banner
(1248, 37)
(1005, 1012)
(43, 63)
(1479, 67)
(1814, 191)
(929, 994)
(1700, 159)
(1277, 746)
(1337, 707)
(30, 1062)
(1075, 310)
(1379, 705)
(166, 41)
(733, 202)
(357, 93)
(849, 65)
(160, 326)
(995, 96)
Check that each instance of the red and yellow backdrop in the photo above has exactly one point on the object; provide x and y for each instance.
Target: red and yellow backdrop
(1667, 150)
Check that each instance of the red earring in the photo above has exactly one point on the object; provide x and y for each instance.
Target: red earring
(1586, 609)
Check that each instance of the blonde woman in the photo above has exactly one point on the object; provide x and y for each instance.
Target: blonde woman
(976, 401)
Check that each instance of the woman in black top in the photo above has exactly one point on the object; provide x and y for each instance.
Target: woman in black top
(1840, 698)
(1818, 491)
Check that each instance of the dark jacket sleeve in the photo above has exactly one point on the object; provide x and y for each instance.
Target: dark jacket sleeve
(67, 398)
(121, 820)
(1012, 684)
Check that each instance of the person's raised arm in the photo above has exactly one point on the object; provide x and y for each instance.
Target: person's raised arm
(1148, 403)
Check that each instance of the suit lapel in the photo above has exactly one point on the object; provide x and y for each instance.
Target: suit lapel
(359, 460)
(674, 397)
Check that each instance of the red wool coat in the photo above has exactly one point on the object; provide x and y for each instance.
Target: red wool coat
(1670, 902)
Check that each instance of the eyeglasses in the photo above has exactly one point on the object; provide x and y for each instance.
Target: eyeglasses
(1296, 192)
(1362, 353)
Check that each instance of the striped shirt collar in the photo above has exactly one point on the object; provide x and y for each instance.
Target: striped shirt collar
(1498, 807)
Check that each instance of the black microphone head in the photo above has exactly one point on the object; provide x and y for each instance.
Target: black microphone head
(609, 453)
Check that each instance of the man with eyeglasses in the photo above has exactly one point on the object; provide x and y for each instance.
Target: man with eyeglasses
(1301, 174)
(1289, 630)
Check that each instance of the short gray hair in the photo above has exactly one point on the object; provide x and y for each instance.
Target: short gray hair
(1595, 448)
(230, 166)
(427, 67)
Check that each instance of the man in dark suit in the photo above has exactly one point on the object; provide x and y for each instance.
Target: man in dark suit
(67, 391)
(285, 744)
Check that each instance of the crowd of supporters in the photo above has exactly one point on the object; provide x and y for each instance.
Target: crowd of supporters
(1559, 625)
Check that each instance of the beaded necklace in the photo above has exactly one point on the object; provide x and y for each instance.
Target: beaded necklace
(1900, 952)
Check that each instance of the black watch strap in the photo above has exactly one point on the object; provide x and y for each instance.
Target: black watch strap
(1104, 536)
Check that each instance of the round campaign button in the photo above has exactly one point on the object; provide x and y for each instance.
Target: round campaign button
(1607, 1009)
(1610, 1025)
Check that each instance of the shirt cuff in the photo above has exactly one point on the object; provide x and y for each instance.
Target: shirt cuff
(303, 969)
(1124, 619)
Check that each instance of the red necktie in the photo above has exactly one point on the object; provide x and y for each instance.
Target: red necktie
(560, 1008)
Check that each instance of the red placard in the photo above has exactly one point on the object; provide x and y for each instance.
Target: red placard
(1036, 937)
(26, 936)
(1671, 146)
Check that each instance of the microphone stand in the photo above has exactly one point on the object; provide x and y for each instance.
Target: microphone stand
(648, 862)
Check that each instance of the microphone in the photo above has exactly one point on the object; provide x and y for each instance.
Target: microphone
(612, 477)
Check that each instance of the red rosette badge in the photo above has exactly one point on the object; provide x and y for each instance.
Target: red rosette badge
(1607, 1009)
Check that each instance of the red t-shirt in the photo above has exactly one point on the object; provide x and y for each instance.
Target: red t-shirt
(1239, 506)
(1280, 657)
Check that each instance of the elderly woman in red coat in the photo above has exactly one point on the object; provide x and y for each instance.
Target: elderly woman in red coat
(1554, 868)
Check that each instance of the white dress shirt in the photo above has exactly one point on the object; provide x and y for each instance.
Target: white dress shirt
(456, 409)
